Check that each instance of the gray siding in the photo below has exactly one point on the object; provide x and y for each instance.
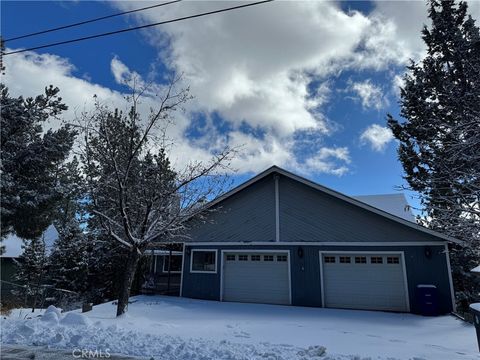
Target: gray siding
(307, 214)
(200, 285)
(246, 216)
(305, 273)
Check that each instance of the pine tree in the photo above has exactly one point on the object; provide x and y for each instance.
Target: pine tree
(440, 139)
(30, 161)
(69, 259)
(32, 269)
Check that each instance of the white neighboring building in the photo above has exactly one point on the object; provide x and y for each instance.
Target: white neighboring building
(395, 204)
(13, 243)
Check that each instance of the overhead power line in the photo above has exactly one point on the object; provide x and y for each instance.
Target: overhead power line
(89, 21)
(140, 27)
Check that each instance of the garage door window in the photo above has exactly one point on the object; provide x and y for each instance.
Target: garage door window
(203, 261)
(281, 257)
(255, 257)
(267, 257)
(376, 260)
(344, 259)
(230, 257)
(330, 259)
(393, 260)
(242, 257)
(360, 260)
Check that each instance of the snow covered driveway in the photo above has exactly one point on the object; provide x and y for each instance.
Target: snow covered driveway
(178, 328)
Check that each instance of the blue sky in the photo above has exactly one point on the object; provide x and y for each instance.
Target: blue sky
(305, 86)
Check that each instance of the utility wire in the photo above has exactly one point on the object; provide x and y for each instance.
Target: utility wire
(139, 27)
(89, 21)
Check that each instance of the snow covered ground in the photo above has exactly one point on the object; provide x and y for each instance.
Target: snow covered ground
(178, 328)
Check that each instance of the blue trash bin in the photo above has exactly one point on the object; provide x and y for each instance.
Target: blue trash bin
(426, 297)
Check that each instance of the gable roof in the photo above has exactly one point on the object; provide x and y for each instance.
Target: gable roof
(275, 169)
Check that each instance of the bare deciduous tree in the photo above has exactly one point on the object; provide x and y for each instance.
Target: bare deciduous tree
(135, 193)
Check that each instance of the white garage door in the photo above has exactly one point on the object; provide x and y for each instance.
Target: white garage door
(256, 277)
(364, 281)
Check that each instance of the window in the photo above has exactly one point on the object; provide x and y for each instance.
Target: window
(175, 263)
(242, 257)
(376, 260)
(360, 260)
(393, 260)
(329, 259)
(267, 257)
(231, 257)
(345, 259)
(203, 261)
(255, 257)
(281, 257)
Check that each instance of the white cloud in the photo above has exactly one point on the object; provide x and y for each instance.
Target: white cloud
(255, 67)
(377, 136)
(257, 73)
(28, 73)
(397, 83)
(330, 161)
(371, 96)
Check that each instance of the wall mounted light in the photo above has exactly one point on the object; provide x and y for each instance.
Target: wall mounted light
(428, 252)
(300, 252)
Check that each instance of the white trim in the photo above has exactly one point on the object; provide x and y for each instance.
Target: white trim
(155, 264)
(405, 279)
(163, 267)
(353, 201)
(450, 280)
(401, 253)
(163, 252)
(289, 277)
(277, 209)
(223, 251)
(183, 267)
(322, 286)
(203, 271)
(316, 243)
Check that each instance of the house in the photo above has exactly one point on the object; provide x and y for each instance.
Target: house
(12, 251)
(282, 239)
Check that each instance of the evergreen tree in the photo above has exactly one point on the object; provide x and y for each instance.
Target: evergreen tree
(440, 139)
(30, 161)
(32, 269)
(69, 259)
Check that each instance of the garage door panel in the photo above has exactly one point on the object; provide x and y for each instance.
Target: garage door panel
(256, 281)
(364, 285)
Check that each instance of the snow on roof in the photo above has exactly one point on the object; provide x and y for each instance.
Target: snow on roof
(476, 269)
(13, 243)
(395, 204)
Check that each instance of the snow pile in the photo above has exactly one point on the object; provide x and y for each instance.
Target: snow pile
(183, 329)
(74, 331)
(74, 319)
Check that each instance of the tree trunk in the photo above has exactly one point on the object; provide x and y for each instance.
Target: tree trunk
(128, 275)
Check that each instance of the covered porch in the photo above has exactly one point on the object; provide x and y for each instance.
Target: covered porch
(164, 269)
